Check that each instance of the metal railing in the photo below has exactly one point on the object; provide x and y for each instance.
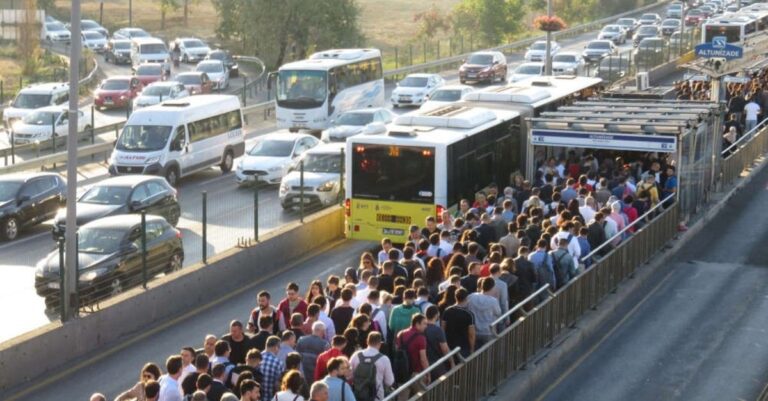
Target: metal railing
(740, 155)
(419, 378)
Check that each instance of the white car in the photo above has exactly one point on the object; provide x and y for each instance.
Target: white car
(615, 33)
(34, 97)
(595, 50)
(36, 126)
(446, 95)
(90, 25)
(217, 72)
(322, 175)
(415, 89)
(271, 156)
(526, 70)
(356, 122)
(567, 63)
(56, 32)
(192, 49)
(160, 91)
(130, 33)
(94, 40)
(538, 50)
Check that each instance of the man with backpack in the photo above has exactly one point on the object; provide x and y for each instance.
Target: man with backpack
(338, 388)
(562, 263)
(542, 264)
(371, 370)
(411, 355)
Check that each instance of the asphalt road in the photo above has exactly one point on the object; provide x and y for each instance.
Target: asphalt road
(230, 214)
(702, 332)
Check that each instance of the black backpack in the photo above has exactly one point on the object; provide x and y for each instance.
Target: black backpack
(364, 385)
(401, 363)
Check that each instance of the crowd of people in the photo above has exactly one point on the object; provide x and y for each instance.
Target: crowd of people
(404, 308)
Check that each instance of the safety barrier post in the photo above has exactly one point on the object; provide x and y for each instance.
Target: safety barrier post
(301, 191)
(93, 125)
(341, 178)
(62, 306)
(144, 248)
(205, 227)
(53, 134)
(256, 210)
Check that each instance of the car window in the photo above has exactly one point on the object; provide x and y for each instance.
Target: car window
(140, 193)
(38, 186)
(154, 231)
(155, 188)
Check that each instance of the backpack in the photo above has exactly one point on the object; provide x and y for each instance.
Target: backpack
(364, 377)
(401, 361)
(560, 275)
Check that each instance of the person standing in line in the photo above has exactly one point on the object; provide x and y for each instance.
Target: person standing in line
(265, 308)
(239, 342)
(150, 371)
(310, 347)
(486, 309)
(250, 391)
(271, 367)
(170, 390)
(384, 377)
(751, 111)
(152, 391)
(292, 303)
(336, 380)
(437, 344)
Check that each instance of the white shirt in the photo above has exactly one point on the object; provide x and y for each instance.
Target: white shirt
(384, 376)
(169, 389)
(287, 395)
(380, 317)
(330, 329)
(587, 212)
(186, 371)
(573, 246)
(354, 302)
(752, 109)
(362, 295)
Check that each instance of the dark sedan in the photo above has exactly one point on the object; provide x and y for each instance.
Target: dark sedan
(123, 195)
(28, 199)
(110, 258)
(226, 58)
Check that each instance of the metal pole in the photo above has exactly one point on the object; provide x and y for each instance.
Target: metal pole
(130, 13)
(341, 177)
(205, 226)
(682, 28)
(13, 147)
(101, 12)
(62, 305)
(245, 87)
(256, 211)
(301, 191)
(2, 93)
(548, 55)
(70, 233)
(93, 125)
(53, 134)
(144, 248)
(396, 63)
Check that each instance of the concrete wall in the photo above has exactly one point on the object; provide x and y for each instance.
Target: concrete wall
(138, 310)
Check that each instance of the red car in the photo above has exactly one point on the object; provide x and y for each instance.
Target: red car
(150, 72)
(117, 92)
(196, 82)
(694, 17)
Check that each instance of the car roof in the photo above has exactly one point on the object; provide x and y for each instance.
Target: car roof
(55, 108)
(486, 53)
(567, 54)
(600, 41)
(420, 75)
(332, 147)
(24, 177)
(210, 62)
(369, 110)
(121, 221)
(284, 134)
(163, 83)
(94, 31)
(454, 87)
(46, 88)
(127, 180)
(190, 73)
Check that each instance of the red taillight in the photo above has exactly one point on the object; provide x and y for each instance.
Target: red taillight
(439, 209)
(348, 207)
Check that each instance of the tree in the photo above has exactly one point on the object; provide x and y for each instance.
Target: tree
(494, 21)
(431, 21)
(29, 39)
(165, 6)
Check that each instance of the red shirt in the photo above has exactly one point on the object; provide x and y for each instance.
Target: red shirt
(485, 270)
(414, 347)
(321, 368)
(285, 309)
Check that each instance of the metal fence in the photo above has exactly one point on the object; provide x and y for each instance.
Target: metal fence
(742, 154)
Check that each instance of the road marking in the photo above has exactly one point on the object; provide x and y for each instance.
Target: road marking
(604, 338)
(146, 334)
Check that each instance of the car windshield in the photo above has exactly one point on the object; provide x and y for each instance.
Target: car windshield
(564, 58)
(648, 17)
(695, 11)
(121, 45)
(193, 43)
(651, 44)
(93, 35)
(153, 48)
(142, 138)
(625, 21)
(210, 67)
(611, 63)
(41, 117)
(446, 95)
(355, 119)
(149, 70)
(414, 82)
(159, 90)
(137, 33)
(189, 79)
(31, 101)
(302, 89)
(217, 56)
(539, 46)
(322, 163)
(99, 240)
(85, 25)
(106, 195)
(648, 30)
(599, 45)
(272, 148)
(670, 23)
(484, 59)
(115, 84)
(611, 28)
(8, 190)
(55, 26)
(528, 70)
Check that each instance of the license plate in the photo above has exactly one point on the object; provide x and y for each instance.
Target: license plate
(393, 231)
(298, 200)
(299, 124)
(108, 101)
(471, 75)
(54, 285)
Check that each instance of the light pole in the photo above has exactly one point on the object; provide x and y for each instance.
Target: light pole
(682, 27)
(548, 56)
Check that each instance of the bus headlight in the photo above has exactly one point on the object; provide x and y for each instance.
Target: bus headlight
(274, 169)
(326, 186)
(152, 160)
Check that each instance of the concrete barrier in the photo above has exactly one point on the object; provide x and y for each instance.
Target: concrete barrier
(138, 310)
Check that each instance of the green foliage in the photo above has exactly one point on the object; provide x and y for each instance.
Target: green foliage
(47, 5)
(279, 30)
(494, 21)
(431, 21)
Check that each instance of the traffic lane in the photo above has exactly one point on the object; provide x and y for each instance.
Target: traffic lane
(117, 370)
(701, 334)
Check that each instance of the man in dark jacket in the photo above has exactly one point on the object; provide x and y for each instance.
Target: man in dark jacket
(486, 233)
(526, 275)
(596, 234)
(218, 388)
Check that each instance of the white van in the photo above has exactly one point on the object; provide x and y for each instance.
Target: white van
(34, 97)
(179, 137)
(149, 50)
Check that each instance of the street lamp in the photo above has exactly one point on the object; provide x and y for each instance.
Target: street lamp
(548, 56)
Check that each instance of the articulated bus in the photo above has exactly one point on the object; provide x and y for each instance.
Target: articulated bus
(423, 163)
(312, 92)
(736, 27)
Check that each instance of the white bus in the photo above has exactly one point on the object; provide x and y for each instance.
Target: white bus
(735, 27)
(149, 50)
(424, 163)
(312, 92)
(179, 137)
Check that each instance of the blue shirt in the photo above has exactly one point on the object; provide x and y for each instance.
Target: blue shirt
(568, 194)
(538, 258)
(335, 387)
(585, 250)
(508, 215)
(271, 370)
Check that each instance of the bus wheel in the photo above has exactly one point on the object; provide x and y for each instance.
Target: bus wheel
(226, 164)
(172, 176)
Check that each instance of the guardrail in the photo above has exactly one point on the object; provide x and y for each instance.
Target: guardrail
(520, 44)
(513, 347)
(742, 153)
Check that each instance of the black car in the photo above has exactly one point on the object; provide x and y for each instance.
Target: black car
(650, 53)
(110, 257)
(123, 195)
(613, 68)
(118, 51)
(226, 58)
(28, 199)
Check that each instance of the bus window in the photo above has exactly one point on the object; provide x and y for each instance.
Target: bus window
(393, 173)
(301, 89)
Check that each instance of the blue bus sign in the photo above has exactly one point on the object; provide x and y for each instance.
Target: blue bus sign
(719, 48)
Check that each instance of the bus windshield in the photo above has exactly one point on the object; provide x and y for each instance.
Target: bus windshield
(298, 89)
(732, 33)
(142, 138)
(393, 173)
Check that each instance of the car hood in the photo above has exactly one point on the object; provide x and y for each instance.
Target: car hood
(149, 100)
(564, 64)
(536, 52)
(87, 212)
(6, 205)
(310, 179)
(476, 67)
(15, 112)
(263, 162)
(341, 132)
(103, 92)
(596, 51)
(215, 76)
(401, 90)
(609, 34)
(50, 266)
(199, 50)
(520, 77)
(134, 158)
(24, 128)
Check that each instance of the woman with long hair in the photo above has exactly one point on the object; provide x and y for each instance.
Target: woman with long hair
(458, 260)
(315, 290)
(150, 371)
(448, 299)
(434, 277)
(290, 387)
(368, 262)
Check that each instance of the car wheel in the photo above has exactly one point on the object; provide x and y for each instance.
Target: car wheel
(286, 206)
(9, 229)
(226, 164)
(172, 176)
(175, 263)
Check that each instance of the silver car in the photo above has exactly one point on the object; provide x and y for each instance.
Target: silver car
(322, 178)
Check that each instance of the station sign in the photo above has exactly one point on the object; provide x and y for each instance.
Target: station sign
(603, 140)
(719, 48)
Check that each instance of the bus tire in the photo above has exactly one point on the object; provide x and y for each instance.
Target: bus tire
(227, 162)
